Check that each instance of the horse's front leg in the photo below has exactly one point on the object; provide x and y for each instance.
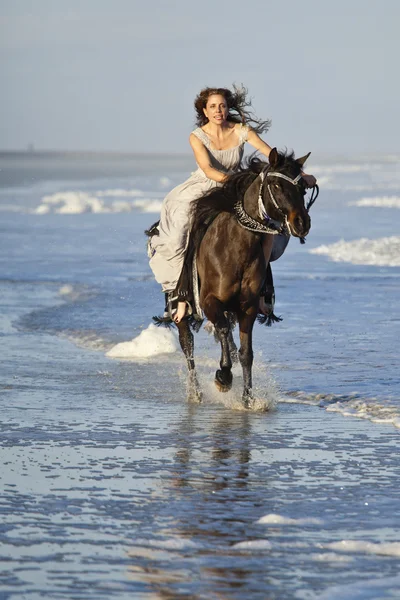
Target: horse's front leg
(246, 322)
(186, 341)
(214, 311)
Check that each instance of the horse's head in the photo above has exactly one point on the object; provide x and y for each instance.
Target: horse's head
(284, 191)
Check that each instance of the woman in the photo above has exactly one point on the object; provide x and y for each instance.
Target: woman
(225, 123)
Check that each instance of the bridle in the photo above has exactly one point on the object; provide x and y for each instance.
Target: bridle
(261, 208)
(268, 224)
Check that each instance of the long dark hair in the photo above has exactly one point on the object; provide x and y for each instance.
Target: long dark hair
(239, 107)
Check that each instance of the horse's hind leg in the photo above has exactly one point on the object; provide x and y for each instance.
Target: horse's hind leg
(214, 311)
(246, 322)
(186, 341)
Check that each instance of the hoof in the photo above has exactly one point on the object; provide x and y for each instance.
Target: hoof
(223, 380)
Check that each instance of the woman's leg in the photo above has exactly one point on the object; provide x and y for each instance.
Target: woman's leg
(180, 312)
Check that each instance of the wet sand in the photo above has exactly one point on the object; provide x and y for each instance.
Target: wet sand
(113, 486)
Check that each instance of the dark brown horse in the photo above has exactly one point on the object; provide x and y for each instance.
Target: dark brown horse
(226, 240)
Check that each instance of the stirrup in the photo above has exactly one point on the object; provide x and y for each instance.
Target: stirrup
(268, 293)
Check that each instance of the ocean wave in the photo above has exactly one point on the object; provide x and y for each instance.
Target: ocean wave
(150, 342)
(352, 405)
(275, 519)
(329, 184)
(377, 548)
(345, 168)
(384, 252)
(88, 340)
(253, 545)
(75, 202)
(359, 176)
(378, 201)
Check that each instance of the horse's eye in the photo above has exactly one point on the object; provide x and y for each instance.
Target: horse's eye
(276, 186)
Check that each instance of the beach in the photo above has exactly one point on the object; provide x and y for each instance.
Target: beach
(113, 485)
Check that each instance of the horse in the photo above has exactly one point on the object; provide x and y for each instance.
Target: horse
(228, 224)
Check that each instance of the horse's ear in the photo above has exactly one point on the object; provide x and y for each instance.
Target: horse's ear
(303, 159)
(273, 158)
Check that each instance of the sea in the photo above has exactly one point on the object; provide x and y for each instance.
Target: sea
(113, 484)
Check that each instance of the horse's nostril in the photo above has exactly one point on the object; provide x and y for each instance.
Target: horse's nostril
(298, 222)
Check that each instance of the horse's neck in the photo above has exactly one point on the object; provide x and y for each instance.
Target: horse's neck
(250, 200)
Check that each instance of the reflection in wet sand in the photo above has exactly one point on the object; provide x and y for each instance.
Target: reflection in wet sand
(220, 480)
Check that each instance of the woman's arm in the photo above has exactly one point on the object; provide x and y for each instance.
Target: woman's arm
(254, 140)
(203, 160)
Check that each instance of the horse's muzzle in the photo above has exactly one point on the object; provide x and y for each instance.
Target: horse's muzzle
(300, 224)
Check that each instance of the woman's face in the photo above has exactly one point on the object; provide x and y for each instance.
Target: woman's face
(216, 109)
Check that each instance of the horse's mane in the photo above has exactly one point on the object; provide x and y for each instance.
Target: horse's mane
(222, 199)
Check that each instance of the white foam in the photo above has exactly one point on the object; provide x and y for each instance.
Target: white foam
(70, 203)
(372, 410)
(89, 340)
(150, 342)
(66, 290)
(350, 405)
(176, 543)
(253, 545)
(75, 202)
(359, 187)
(384, 252)
(344, 168)
(153, 206)
(265, 393)
(379, 201)
(379, 548)
(331, 557)
(275, 519)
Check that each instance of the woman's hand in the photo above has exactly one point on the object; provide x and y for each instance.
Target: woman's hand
(309, 179)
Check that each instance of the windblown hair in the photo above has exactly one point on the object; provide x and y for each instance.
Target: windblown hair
(239, 108)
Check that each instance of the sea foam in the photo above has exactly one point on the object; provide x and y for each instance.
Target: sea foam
(76, 202)
(275, 519)
(378, 202)
(350, 405)
(150, 342)
(383, 252)
(379, 548)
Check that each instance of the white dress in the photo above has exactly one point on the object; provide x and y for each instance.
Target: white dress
(168, 248)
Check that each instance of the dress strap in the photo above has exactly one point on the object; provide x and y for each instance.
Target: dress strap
(243, 133)
(203, 137)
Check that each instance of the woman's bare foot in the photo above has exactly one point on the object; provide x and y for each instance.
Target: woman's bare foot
(180, 312)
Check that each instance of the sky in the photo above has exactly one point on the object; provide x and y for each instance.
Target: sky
(122, 75)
